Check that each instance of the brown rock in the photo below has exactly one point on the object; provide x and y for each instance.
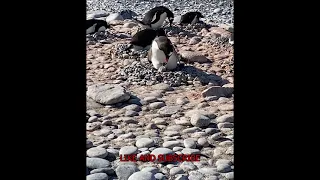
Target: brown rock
(217, 91)
(221, 31)
(193, 56)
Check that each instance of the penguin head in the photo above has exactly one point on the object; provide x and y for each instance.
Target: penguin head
(164, 44)
(199, 15)
(161, 32)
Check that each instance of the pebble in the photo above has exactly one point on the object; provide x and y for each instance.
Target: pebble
(176, 170)
(114, 16)
(216, 136)
(156, 105)
(153, 170)
(195, 175)
(130, 113)
(217, 10)
(187, 166)
(150, 99)
(93, 119)
(108, 171)
(190, 151)
(95, 163)
(171, 144)
(169, 110)
(189, 143)
(225, 125)
(97, 176)
(210, 131)
(191, 130)
(107, 94)
(159, 176)
(194, 40)
(89, 144)
(142, 175)
(208, 171)
(203, 142)
(144, 142)
(177, 148)
(133, 107)
(181, 177)
(182, 100)
(225, 118)
(124, 171)
(159, 121)
(97, 152)
(211, 98)
(212, 178)
(224, 168)
(128, 150)
(162, 151)
(199, 120)
(229, 175)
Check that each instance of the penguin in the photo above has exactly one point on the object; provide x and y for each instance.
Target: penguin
(191, 18)
(155, 18)
(96, 25)
(162, 54)
(143, 39)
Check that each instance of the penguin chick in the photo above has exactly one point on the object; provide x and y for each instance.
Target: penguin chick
(143, 39)
(162, 54)
(96, 25)
(155, 18)
(191, 18)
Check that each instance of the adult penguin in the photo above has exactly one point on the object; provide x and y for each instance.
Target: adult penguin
(96, 25)
(162, 54)
(155, 17)
(143, 39)
(191, 18)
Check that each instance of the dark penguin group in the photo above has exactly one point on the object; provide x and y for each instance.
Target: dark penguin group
(152, 37)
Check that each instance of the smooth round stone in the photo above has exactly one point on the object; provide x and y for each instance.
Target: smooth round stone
(225, 125)
(113, 151)
(181, 177)
(203, 142)
(171, 144)
(218, 151)
(89, 144)
(143, 149)
(96, 163)
(224, 168)
(133, 107)
(130, 113)
(229, 175)
(153, 170)
(191, 130)
(159, 176)
(208, 171)
(210, 131)
(124, 171)
(150, 99)
(108, 171)
(216, 136)
(223, 161)
(187, 166)
(176, 170)
(144, 142)
(177, 148)
(162, 151)
(226, 143)
(195, 175)
(189, 143)
(128, 150)
(107, 122)
(211, 98)
(190, 151)
(212, 178)
(169, 166)
(183, 121)
(97, 152)
(97, 176)
(93, 119)
(169, 110)
(142, 175)
(199, 120)
(171, 133)
(156, 105)
(182, 100)
(225, 118)
(142, 153)
(174, 128)
(159, 121)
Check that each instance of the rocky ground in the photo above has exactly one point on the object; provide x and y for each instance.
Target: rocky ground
(132, 109)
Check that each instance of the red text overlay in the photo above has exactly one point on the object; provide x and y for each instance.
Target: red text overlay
(161, 157)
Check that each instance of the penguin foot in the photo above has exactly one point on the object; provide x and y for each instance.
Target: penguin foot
(162, 69)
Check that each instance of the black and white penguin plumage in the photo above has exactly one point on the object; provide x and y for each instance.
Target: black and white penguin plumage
(191, 18)
(143, 39)
(96, 25)
(162, 54)
(155, 17)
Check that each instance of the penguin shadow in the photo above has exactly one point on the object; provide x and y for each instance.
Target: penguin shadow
(200, 75)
